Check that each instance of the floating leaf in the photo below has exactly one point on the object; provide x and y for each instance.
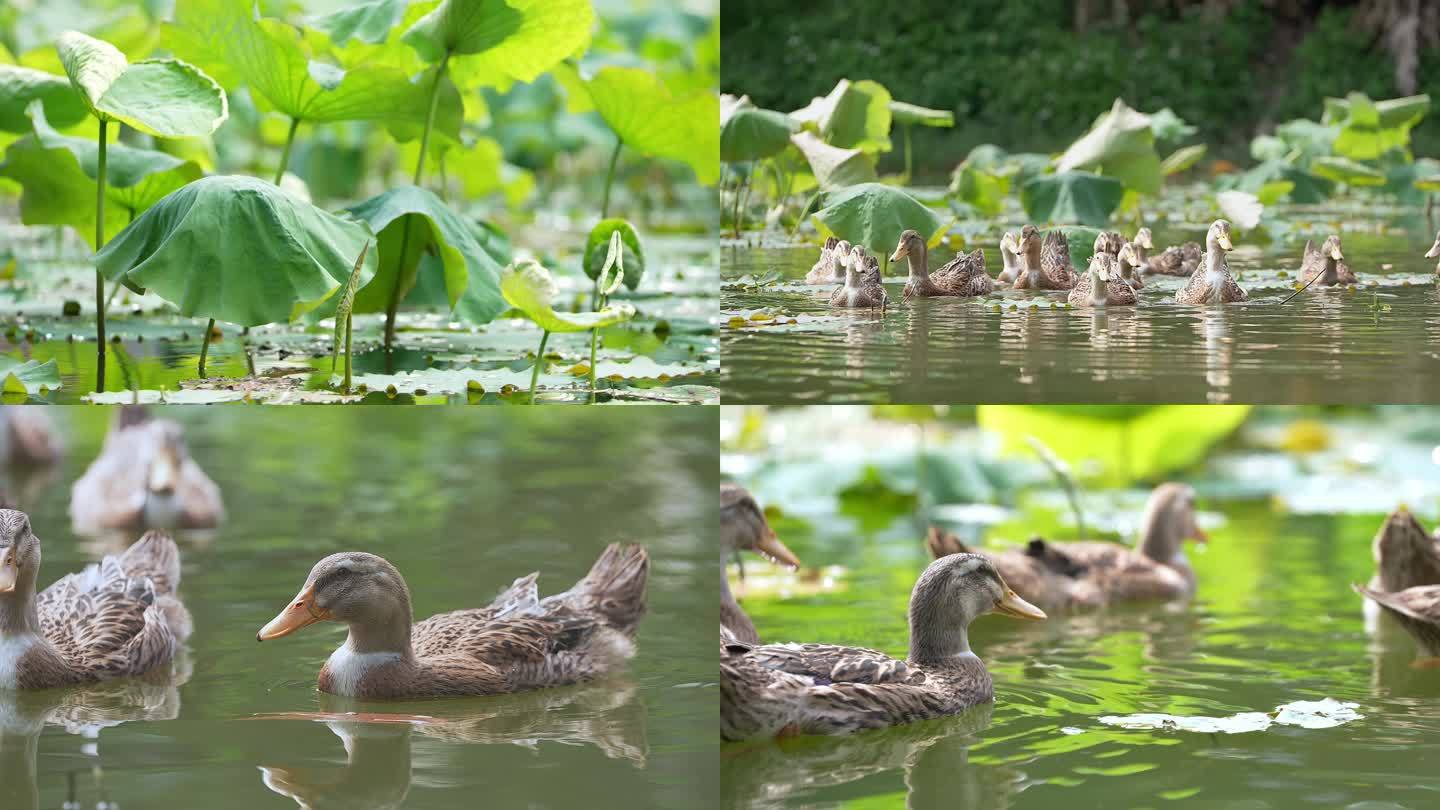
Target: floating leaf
(28, 377)
(498, 42)
(529, 288)
(162, 97)
(597, 245)
(1325, 713)
(236, 249)
(754, 134)
(855, 115)
(1120, 144)
(834, 167)
(1080, 197)
(874, 215)
(903, 113)
(19, 86)
(650, 119)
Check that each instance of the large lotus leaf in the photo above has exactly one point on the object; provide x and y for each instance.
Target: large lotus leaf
(471, 276)
(1120, 144)
(855, 115)
(28, 376)
(1369, 129)
(598, 243)
(498, 42)
(874, 215)
(162, 97)
(754, 134)
(1081, 197)
(19, 86)
(982, 189)
(281, 64)
(367, 22)
(1306, 139)
(1347, 171)
(58, 175)
(1306, 188)
(903, 113)
(236, 249)
(832, 166)
(529, 288)
(650, 119)
(729, 105)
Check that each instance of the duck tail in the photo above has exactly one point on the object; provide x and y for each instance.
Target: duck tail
(615, 586)
(157, 557)
(942, 543)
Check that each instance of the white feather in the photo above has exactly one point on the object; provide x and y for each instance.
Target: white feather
(348, 667)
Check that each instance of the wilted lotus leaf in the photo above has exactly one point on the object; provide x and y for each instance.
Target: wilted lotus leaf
(529, 288)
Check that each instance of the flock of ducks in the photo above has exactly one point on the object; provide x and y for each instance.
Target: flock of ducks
(1115, 272)
(123, 616)
(773, 690)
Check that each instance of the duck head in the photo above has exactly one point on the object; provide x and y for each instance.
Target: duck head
(1009, 249)
(912, 247)
(1219, 235)
(1331, 248)
(19, 553)
(842, 254)
(1100, 270)
(830, 243)
(1127, 260)
(1405, 556)
(1143, 239)
(1434, 251)
(858, 257)
(951, 593)
(361, 590)
(1168, 522)
(744, 527)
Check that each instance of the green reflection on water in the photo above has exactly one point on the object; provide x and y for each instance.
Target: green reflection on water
(462, 505)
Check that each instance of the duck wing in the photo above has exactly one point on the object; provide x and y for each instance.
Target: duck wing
(825, 664)
(1055, 256)
(1417, 609)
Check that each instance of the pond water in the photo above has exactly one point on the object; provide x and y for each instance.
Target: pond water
(1371, 344)
(1275, 622)
(462, 506)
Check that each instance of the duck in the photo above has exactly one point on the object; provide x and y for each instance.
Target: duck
(1129, 263)
(789, 689)
(962, 276)
(1211, 283)
(1009, 256)
(1044, 266)
(117, 618)
(1109, 242)
(870, 273)
(1326, 265)
(27, 437)
(828, 268)
(144, 478)
(1418, 611)
(1101, 285)
(861, 289)
(1092, 574)
(1142, 244)
(519, 642)
(1405, 557)
(1434, 252)
(743, 527)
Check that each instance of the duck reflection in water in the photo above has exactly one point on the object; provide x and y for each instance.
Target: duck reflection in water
(377, 770)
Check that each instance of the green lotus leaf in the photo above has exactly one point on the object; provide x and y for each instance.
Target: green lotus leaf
(833, 167)
(755, 134)
(28, 377)
(236, 249)
(283, 65)
(1307, 139)
(1268, 147)
(1305, 188)
(1369, 129)
(166, 98)
(471, 278)
(1182, 159)
(855, 115)
(874, 215)
(650, 119)
(529, 288)
(1079, 197)
(1120, 144)
(981, 188)
(58, 173)
(367, 22)
(19, 86)
(903, 113)
(598, 243)
(1346, 171)
(499, 42)
(1168, 126)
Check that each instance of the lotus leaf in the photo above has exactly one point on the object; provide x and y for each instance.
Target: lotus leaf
(499, 42)
(1120, 144)
(903, 113)
(650, 119)
(754, 134)
(855, 115)
(162, 97)
(529, 288)
(833, 167)
(874, 215)
(20, 86)
(28, 377)
(597, 246)
(1080, 197)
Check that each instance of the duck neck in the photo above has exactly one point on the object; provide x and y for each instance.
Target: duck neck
(1010, 260)
(1141, 257)
(1159, 540)
(18, 615)
(1328, 276)
(936, 636)
(919, 267)
(1214, 261)
(1098, 290)
(384, 629)
(1031, 261)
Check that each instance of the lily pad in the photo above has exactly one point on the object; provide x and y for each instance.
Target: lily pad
(1120, 144)
(499, 42)
(833, 167)
(1325, 713)
(20, 86)
(162, 97)
(755, 134)
(855, 115)
(28, 377)
(652, 120)
(874, 215)
(633, 259)
(1081, 197)
(529, 288)
(236, 249)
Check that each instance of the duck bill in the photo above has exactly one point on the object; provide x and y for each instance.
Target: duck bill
(771, 547)
(164, 472)
(1335, 254)
(900, 253)
(1016, 608)
(1224, 242)
(1434, 252)
(299, 614)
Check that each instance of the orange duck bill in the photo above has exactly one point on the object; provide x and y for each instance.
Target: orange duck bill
(301, 612)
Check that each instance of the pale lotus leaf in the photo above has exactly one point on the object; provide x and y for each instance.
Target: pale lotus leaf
(28, 376)
(652, 120)
(834, 167)
(529, 288)
(20, 86)
(166, 98)
(498, 42)
(855, 115)
(1120, 144)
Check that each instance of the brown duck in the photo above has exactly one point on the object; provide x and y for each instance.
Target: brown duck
(1044, 266)
(962, 276)
(117, 618)
(1327, 265)
(1211, 283)
(743, 527)
(519, 642)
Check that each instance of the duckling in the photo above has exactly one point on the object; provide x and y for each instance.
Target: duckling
(1173, 261)
(117, 618)
(1326, 265)
(1129, 262)
(519, 642)
(27, 437)
(1211, 283)
(143, 479)
(1047, 266)
(1434, 252)
(1101, 285)
(744, 527)
(961, 277)
(859, 291)
(824, 271)
(783, 689)
(1009, 249)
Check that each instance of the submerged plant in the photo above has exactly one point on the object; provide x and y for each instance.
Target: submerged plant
(166, 98)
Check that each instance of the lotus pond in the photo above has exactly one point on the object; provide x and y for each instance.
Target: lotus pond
(448, 200)
(462, 506)
(1290, 498)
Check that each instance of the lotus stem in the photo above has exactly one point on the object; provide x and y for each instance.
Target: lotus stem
(597, 304)
(100, 279)
(205, 345)
(393, 306)
(749, 184)
(610, 179)
(349, 324)
(430, 119)
(539, 359)
(285, 156)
